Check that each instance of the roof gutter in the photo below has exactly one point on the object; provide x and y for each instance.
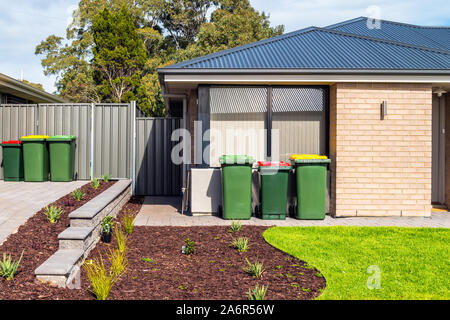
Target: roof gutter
(162, 71)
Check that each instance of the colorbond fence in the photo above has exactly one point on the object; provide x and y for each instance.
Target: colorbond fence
(104, 142)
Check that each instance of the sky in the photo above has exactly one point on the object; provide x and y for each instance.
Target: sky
(25, 23)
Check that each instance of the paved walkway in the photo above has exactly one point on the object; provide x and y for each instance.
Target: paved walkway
(164, 211)
(21, 200)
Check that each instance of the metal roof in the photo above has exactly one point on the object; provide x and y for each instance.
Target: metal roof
(431, 37)
(331, 49)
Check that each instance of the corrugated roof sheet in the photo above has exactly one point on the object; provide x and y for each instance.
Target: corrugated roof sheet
(317, 48)
(431, 37)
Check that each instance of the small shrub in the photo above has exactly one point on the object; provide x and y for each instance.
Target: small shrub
(77, 194)
(95, 183)
(121, 239)
(8, 267)
(106, 177)
(101, 279)
(189, 248)
(107, 225)
(235, 226)
(53, 213)
(254, 269)
(128, 222)
(118, 262)
(241, 244)
(257, 293)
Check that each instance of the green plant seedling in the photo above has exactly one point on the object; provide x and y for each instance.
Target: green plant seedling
(8, 267)
(257, 293)
(189, 248)
(241, 244)
(53, 213)
(106, 177)
(121, 239)
(95, 183)
(235, 226)
(128, 222)
(77, 194)
(101, 279)
(147, 260)
(255, 269)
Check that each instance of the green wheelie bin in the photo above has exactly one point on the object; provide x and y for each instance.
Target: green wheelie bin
(236, 186)
(311, 181)
(62, 157)
(12, 160)
(35, 158)
(274, 189)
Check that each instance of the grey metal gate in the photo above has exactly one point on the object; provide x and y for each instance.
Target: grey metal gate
(156, 174)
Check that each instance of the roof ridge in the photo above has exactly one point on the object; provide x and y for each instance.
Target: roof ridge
(398, 43)
(386, 21)
(243, 47)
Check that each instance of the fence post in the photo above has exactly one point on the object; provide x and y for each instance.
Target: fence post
(92, 139)
(133, 176)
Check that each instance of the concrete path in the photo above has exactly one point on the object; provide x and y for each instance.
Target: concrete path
(164, 211)
(21, 200)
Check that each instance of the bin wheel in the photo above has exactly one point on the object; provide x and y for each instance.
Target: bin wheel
(219, 211)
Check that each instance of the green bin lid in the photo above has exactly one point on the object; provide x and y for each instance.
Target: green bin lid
(62, 138)
(236, 159)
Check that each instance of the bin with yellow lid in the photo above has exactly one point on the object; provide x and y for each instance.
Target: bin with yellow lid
(310, 177)
(35, 158)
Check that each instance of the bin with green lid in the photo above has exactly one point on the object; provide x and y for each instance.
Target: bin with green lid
(62, 157)
(12, 160)
(35, 158)
(236, 186)
(274, 189)
(311, 181)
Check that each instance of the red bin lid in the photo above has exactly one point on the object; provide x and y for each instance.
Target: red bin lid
(273, 164)
(12, 142)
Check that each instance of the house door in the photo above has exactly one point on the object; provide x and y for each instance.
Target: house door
(438, 150)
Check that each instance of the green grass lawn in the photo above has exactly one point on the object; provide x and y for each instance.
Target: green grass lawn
(414, 263)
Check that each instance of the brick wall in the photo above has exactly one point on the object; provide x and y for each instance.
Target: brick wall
(447, 150)
(380, 167)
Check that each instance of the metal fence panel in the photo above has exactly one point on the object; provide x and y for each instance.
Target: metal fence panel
(112, 140)
(16, 120)
(70, 119)
(156, 174)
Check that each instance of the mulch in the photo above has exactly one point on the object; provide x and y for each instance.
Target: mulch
(38, 239)
(214, 271)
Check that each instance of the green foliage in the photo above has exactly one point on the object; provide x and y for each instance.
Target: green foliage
(189, 247)
(235, 226)
(53, 213)
(257, 293)
(95, 183)
(241, 244)
(147, 260)
(8, 267)
(107, 225)
(121, 239)
(128, 222)
(169, 31)
(101, 279)
(255, 269)
(106, 177)
(119, 58)
(78, 194)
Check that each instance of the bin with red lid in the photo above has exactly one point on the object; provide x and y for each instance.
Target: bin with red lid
(12, 162)
(274, 189)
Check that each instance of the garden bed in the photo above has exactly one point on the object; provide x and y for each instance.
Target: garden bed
(38, 239)
(214, 271)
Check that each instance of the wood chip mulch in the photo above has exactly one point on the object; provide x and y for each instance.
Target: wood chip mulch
(214, 271)
(38, 239)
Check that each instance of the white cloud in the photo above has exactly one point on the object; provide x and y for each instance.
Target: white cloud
(25, 23)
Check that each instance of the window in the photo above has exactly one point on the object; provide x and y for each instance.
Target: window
(242, 119)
